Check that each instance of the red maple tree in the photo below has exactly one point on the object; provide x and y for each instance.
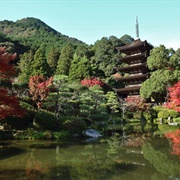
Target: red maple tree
(92, 82)
(174, 97)
(136, 103)
(39, 88)
(9, 105)
(175, 141)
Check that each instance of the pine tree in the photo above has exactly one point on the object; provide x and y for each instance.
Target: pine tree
(40, 65)
(52, 59)
(80, 69)
(65, 59)
(25, 66)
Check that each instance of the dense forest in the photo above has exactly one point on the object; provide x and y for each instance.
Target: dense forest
(64, 85)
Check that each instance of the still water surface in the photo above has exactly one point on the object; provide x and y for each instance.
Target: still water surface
(107, 159)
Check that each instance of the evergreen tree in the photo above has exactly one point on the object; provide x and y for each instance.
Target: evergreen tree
(40, 65)
(65, 59)
(105, 58)
(52, 59)
(73, 72)
(80, 68)
(164, 63)
(25, 66)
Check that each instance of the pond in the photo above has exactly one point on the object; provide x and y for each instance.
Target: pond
(91, 159)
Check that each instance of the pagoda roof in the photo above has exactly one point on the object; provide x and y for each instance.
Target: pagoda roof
(136, 45)
(128, 90)
(133, 77)
(133, 67)
(136, 56)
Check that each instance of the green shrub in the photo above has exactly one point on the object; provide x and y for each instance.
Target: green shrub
(26, 106)
(61, 135)
(167, 113)
(173, 113)
(176, 120)
(147, 115)
(163, 114)
(128, 114)
(46, 120)
(73, 126)
(137, 115)
(16, 122)
(158, 108)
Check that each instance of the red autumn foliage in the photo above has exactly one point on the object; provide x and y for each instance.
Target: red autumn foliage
(92, 82)
(175, 141)
(39, 88)
(174, 97)
(136, 103)
(9, 105)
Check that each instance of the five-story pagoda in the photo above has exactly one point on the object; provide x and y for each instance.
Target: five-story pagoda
(136, 71)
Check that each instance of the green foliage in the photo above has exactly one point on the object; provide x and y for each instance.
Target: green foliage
(177, 119)
(25, 66)
(30, 114)
(126, 39)
(112, 102)
(173, 113)
(92, 103)
(46, 120)
(163, 114)
(159, 58)
(32, 32)
(40, 65)
(156, 85)
(164, 128)
(175, 60)
(158, 108)
(79, 69)
(105, 56)
(147, 115)
(160, 161)
(65, 59)
(74, 125)
(167, 113)
(61, 135)
(137, 115)
(164, 63)
(52, 59)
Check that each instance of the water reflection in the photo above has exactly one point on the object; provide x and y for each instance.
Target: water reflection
(111, 158)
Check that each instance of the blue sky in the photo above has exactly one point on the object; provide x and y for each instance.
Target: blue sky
(90, 20)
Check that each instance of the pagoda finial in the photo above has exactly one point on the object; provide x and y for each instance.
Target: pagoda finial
(137, 28)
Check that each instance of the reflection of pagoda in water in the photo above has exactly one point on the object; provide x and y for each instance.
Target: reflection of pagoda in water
(136, 70)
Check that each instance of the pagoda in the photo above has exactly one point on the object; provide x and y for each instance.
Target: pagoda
(136, 71)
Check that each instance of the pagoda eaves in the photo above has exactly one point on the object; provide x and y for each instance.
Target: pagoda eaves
(135, 47)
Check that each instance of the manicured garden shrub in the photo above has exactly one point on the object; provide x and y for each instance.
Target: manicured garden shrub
(128, 115)
(167, 113)
(46, 120)
(73, 126)
(137, 115)
(147, 115)
(177, 120)
(158, 108)
(173, 113)
(163, 114)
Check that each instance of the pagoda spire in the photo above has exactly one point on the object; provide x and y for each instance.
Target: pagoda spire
(137, 28)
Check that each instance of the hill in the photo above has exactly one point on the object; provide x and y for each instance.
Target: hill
(32, 32)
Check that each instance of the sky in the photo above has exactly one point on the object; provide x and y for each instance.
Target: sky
(90, 20)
